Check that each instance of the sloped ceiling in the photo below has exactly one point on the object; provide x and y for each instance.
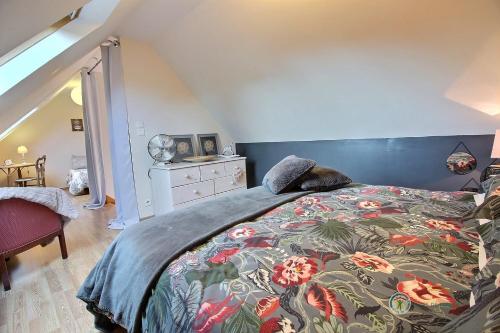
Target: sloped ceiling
(42, 83)
(22, 19)
(275, 70)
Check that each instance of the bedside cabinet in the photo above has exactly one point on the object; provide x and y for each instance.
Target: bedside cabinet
(179, 185)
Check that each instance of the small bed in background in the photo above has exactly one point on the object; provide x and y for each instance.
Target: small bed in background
(356, 259)
(78, 179)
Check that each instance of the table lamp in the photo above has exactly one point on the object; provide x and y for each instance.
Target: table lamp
(22, 150)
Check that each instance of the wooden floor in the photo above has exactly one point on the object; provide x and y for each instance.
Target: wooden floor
(42, 298)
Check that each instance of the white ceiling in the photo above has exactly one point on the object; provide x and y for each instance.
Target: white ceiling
(273, 70)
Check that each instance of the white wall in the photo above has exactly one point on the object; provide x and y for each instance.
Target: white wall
(48, 132)
(271, 70)
(159, 101)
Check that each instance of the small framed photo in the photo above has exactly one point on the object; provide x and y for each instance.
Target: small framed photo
(77, 125)
(209, 144)
(184, 147)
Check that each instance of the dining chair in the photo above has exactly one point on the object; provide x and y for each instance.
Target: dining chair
(40, 175)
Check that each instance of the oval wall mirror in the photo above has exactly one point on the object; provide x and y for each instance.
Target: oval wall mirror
(461, 163)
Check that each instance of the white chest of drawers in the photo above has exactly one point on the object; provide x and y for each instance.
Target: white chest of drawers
(182, 184)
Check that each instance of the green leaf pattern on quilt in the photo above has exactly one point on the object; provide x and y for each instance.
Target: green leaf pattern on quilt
(327, 262)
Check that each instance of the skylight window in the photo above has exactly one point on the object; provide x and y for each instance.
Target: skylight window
(39, 37)
(44, 47)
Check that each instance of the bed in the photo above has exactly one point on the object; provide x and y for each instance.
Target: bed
(361, 258)
(77, 178)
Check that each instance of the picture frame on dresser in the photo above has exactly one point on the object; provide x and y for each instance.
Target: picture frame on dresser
(208, 144)
(185, 146)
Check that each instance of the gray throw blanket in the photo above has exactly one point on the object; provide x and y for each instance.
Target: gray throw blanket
(121, 282)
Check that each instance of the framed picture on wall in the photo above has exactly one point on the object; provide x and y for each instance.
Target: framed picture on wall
(77, 125)
(209, 144)
(184, 147)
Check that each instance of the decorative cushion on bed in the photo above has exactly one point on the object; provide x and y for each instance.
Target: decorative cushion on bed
(485, 300)
(488, 279)
(489, 233)
(324, 179)
(78, 162)
(488, 186)
(482, 317)
(489, 209)
(287, 174)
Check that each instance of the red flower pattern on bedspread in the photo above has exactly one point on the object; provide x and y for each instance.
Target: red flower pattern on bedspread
(327, 262)
(406, 240)
(267, 305)
(241, 233)
(442, 225)
(372, 263)
(325, 300)
(294, 271)
(211, 314)
(223, 255)
(425, 292)
(369, 204)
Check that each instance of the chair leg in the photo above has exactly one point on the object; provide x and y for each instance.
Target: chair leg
(62, 244)
(5, 274)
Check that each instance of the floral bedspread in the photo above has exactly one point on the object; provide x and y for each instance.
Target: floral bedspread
(358, 259)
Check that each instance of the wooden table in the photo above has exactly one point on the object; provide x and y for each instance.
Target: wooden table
(10, 169)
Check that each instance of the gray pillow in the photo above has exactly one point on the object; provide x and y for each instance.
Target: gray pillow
(324, 179)
(287, 174)
(78, 162)
(490, 185)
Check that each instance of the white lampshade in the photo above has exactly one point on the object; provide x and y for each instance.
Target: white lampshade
(22, 150)
(495, 152)
(76, 95)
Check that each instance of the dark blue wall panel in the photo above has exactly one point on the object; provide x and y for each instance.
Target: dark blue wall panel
(411, 162)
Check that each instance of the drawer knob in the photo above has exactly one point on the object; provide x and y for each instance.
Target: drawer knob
(214, 171)
(187, 176)
(196, 192)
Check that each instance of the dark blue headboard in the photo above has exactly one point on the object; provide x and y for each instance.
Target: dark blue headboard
(412, 162)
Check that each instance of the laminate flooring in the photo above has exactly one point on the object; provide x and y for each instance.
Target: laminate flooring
(42, 298)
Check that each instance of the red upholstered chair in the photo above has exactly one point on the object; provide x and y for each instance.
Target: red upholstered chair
(23, 225)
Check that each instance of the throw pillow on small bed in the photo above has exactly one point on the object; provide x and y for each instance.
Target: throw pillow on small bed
(287, 174)
(324, 179)
(78, 162)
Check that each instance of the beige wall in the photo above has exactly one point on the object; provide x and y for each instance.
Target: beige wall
(161, 103)
(48, 131)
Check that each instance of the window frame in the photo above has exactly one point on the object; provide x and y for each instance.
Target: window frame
(39, 37)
